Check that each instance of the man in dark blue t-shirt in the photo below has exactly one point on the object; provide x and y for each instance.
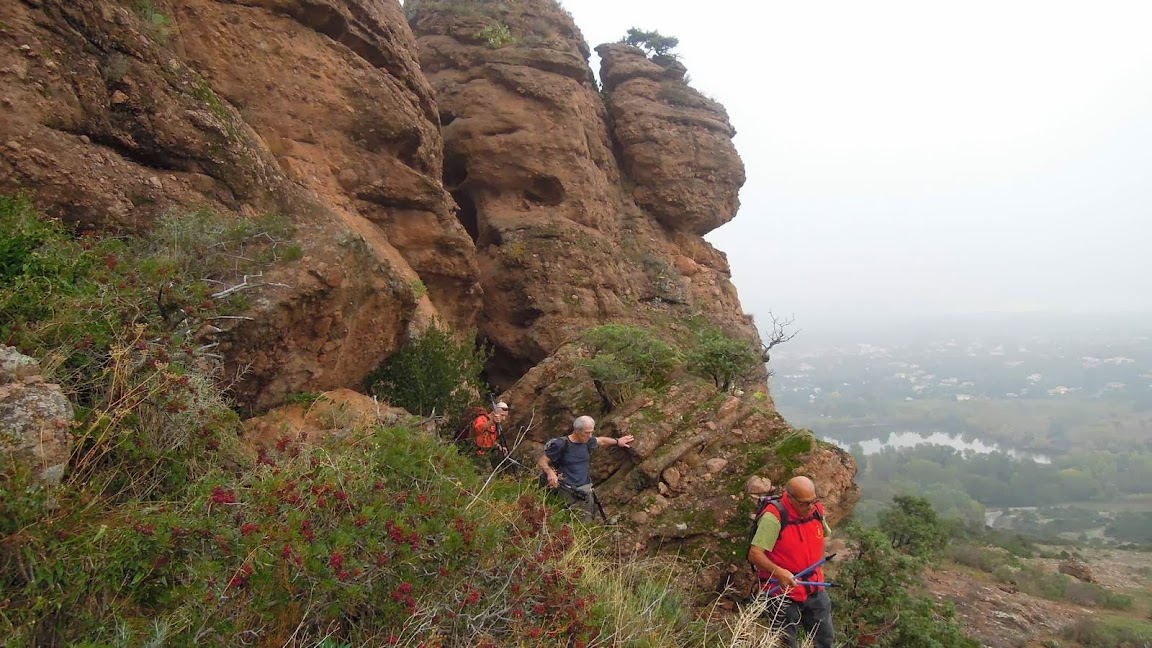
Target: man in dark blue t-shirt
(568, 459)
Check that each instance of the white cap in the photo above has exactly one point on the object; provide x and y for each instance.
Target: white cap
(502, 405)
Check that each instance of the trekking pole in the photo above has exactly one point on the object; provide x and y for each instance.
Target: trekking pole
(599, 506)
(772, 591)
(499, 428)
(583, 497)
(508, 457)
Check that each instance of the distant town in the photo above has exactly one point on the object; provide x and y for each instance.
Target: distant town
(969, 367)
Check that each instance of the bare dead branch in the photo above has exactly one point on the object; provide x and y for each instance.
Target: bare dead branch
(246, 285)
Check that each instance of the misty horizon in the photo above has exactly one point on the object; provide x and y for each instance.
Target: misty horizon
(922, 160)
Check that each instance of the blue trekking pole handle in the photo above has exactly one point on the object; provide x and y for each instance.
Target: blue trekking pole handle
(804, 572)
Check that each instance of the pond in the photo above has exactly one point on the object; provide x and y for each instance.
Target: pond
(899, 440)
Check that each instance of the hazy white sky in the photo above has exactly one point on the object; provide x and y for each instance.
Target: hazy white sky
(924, 156)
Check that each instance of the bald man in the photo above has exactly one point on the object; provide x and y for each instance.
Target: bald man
(789, 538)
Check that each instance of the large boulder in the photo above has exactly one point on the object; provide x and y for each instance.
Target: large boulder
(35, 417)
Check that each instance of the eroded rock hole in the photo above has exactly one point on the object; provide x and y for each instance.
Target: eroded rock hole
(455, 175)
(545, 190)
(504, 368)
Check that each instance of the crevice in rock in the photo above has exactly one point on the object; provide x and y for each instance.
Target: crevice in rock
(467, 214)
(455, 171)
(146, 157)
(525, 316)
(455, 177)
(545, 190)
(446, 117)
(504, 368)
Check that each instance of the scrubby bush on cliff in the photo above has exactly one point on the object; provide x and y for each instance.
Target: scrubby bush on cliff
(877, 603)
(434, 372)
(119, 324)
(652, 42)
(626, 359)
(73, 299)
(721, 358)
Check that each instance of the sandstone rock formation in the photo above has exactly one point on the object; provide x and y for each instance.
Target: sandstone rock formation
(676, 143)
(312, 109)
(561, 242)
(35, 417)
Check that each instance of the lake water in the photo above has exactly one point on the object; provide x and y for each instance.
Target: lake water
(900, 440)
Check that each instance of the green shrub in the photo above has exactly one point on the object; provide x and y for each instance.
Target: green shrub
(1105, 633)
(435, 372)
(652, 42)
(72, 301)
(1093, 595)
(913, 527)
(301, 398)
(975, 556)
(114, 322)
(626, 359)
(677, 93)
(1034, 580)
(875, 604)
(156, 22)
(1004, 574)
(23, 235)
(496, 35)
(721, 358)
(418, 289)
(311, 543)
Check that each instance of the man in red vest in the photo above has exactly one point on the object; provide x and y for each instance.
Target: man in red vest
(789, 538)
(486, 435)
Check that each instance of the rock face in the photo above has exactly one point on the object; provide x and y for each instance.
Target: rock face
(35, 417)
(676, 143)
(314, 109)
(561, 241)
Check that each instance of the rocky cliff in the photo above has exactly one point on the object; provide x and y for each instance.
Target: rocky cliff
(574, 219)
(459, 162)
(116, 113)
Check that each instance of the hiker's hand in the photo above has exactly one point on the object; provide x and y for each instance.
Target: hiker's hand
(503, 450)
(624, 441)
(786, 579)
(553, 479)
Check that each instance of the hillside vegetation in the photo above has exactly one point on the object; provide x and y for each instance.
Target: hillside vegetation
(169, 530)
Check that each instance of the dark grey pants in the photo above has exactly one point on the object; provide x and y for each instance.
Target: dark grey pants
(586, 506)
(814, 615)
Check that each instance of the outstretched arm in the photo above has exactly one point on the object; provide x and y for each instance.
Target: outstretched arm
(624, 441)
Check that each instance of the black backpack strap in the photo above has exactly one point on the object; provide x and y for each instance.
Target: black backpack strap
(785, 519)
(563, 451)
